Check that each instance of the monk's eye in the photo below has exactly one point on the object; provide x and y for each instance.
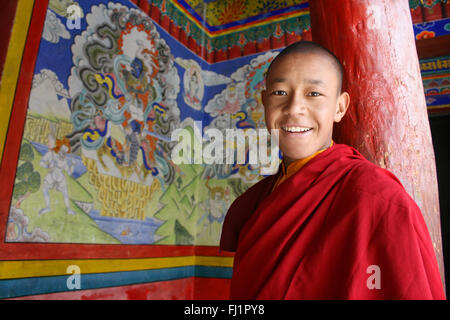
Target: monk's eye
(314, 94)
(279, 93)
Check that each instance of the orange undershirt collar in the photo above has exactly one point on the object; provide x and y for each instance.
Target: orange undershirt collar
(294, 167)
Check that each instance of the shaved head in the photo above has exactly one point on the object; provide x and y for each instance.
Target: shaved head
(310, 47)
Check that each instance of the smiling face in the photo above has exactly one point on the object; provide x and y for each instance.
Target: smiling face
(302, 100)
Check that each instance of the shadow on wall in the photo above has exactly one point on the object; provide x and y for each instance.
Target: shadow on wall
(440, 130)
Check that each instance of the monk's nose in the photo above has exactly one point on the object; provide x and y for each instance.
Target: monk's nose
(296, 105)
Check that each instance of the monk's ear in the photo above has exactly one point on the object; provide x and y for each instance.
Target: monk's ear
(264, 97)
(342, 104)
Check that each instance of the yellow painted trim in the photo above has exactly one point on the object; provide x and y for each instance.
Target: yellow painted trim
(12, 65)
(439, 107)
(44, 268)
(436, 76)
(258, 24)
(211, 261)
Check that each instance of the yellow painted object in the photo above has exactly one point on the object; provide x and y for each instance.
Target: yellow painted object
(43, 268)
(120, 198)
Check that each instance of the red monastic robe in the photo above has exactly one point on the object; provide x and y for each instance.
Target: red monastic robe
(340, 228)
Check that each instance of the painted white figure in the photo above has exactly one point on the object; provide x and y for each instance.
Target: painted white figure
(56, 161)
(195, 79)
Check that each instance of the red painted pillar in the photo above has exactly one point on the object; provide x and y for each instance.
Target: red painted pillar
(387, 119)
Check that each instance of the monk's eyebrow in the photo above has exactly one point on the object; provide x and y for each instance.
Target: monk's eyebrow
(315, 81)
(307, 80)
(276, 80)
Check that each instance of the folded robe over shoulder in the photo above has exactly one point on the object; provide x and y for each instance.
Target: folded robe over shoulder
(320, 233)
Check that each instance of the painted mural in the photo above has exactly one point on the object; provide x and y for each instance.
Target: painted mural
(95, 164)
(109, 86)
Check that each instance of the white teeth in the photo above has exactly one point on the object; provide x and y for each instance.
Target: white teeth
(296, 129)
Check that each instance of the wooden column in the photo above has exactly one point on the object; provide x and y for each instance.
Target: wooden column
(387, 119)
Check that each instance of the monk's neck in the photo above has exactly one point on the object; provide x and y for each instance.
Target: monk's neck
(299, 162)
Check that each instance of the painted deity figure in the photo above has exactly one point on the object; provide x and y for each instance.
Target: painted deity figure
(193, 88)
(133, 142)
(216, 204)
(56, 161)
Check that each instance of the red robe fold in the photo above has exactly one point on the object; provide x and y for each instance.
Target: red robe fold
(340, 228)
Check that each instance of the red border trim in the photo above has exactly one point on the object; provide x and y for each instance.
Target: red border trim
(194, 288)
(43, 251)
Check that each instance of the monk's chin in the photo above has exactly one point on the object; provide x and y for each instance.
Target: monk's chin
(301, 152)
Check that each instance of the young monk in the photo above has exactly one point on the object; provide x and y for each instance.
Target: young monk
(330, 224)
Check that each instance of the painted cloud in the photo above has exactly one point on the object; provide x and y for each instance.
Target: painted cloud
(54, 28)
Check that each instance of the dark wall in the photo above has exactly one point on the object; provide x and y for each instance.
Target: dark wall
(7, 13)
(440, 130)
